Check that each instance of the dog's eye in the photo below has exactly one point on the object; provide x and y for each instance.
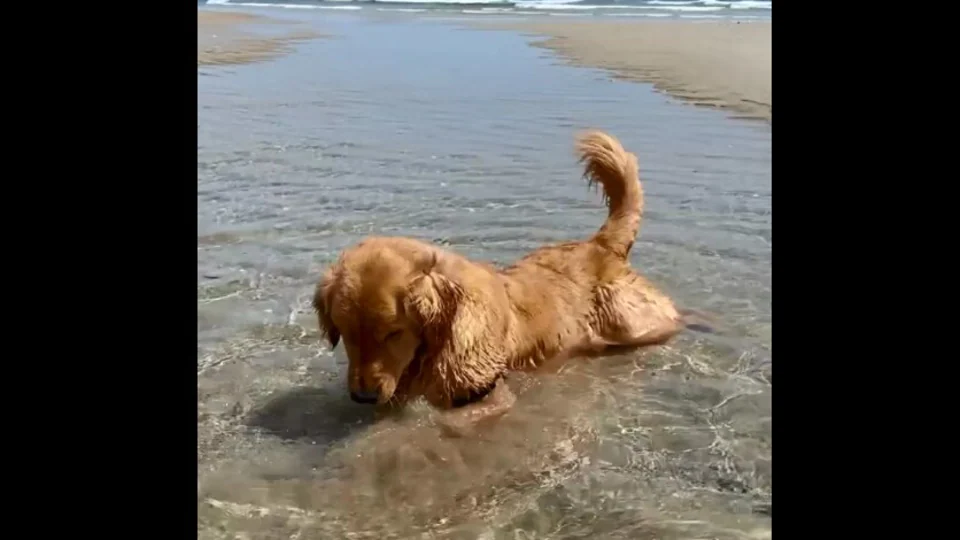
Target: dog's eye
(393, 335)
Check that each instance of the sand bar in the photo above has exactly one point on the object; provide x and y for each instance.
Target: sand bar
(221, 39)
(723, 64)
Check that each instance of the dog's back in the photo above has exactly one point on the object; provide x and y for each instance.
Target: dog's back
(555, 287)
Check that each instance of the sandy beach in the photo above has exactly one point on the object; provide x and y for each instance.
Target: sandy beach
(723, 64)
(221, 39)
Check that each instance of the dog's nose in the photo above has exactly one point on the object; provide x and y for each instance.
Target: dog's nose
(364, 397)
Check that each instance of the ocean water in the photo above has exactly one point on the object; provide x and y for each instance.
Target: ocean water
(669, 9)
(423, 126)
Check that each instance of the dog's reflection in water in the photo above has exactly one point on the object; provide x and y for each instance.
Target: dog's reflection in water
(412, 467)
(322, 467)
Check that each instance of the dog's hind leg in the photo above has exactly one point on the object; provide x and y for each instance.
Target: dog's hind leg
(631, 312)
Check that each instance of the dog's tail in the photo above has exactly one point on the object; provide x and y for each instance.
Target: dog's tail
(608, 164)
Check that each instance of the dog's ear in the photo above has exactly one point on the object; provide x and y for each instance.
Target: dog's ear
(321, 304)
(462, 332)
(432, 294)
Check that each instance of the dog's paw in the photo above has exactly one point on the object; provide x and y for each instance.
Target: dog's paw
(455, 428)
(465, 421)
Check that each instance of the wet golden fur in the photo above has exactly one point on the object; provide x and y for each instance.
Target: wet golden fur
(419, 320)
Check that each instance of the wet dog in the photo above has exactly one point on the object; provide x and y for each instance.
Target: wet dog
(417, 320)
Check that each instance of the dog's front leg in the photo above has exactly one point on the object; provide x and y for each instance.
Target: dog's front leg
(386, 410)
(463, 421)
(392, 408)
(397, 402)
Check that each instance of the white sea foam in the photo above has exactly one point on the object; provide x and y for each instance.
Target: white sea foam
(678, 7)
(588, 7)
(751, 5)
(552, 2)
(443, 2)
(682, 9)
(489, 11)
(286, 6)
(569, 7)
(743, 4)
(641, 15)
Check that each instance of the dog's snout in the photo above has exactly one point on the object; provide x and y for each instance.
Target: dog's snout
(364, 397)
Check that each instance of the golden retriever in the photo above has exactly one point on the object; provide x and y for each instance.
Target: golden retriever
(417, 320)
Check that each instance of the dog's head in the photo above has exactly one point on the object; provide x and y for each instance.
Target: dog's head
(395, 303)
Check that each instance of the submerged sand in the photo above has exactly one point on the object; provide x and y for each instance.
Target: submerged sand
(221, 39)
(721, 64)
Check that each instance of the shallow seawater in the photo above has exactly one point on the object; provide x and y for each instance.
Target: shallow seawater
(420, 127)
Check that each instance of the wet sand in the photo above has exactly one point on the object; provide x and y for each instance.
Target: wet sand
(720, 64)
(221, 40)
